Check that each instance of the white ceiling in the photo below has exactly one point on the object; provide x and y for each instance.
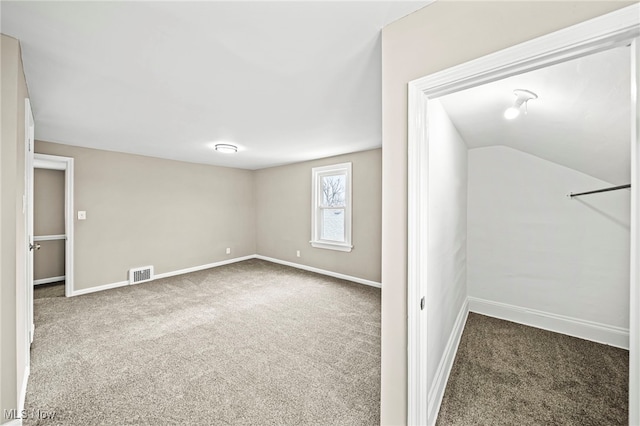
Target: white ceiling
(285, 81)
(581, 120)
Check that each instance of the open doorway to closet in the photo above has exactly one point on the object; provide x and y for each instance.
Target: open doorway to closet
(49, 233)
(528, 243)
(492, 227)
(53, 226)
(538, 253)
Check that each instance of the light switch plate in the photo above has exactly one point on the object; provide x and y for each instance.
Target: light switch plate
(82, 215)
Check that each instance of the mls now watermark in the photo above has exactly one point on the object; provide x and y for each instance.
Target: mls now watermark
(35, 414)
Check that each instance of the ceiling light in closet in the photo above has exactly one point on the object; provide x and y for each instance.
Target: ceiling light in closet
(226, 148)
(522, 97)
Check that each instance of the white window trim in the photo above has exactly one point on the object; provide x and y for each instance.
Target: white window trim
(316, 193)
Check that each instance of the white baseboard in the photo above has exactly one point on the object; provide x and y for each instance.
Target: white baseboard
(320, 271)
(23, 390)
(588, 330)
(159, 276)
(202, 267)
(227, 262)
(21, 399)
(98, 288)
(436, 393)
(48, 280)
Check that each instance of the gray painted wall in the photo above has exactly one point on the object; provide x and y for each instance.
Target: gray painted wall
(148, 211)
(13, 315)
(175, 215)
(283, 215)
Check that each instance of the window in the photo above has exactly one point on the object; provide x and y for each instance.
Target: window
(331, 209)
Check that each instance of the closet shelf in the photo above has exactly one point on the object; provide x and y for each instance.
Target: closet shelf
(49, 237)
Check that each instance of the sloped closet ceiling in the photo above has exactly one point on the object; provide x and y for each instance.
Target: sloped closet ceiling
(580, 120)
(285, 81)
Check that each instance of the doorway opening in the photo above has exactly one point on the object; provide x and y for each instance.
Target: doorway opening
(433, 336)
(49, 233)
(529, 253)
(53, 224)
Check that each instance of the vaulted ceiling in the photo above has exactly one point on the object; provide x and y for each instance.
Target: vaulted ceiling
(581, 118)
(284, 81)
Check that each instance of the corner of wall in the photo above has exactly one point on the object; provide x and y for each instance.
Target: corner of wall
(14, 92)
(279, 235)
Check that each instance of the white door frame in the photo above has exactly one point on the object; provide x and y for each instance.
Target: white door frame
(634, 293)
(27, 291)
(610, 30)
(27, 208)
(54, 162)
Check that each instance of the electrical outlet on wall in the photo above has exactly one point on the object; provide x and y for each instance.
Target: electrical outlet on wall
(297, 253)
(228, 250)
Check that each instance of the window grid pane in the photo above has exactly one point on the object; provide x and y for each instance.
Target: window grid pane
(332, 225)
(333, 190)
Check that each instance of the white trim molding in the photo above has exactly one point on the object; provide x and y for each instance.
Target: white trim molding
(49, 237)
(27, 289)
(331, 246)
(418, 260)
(160, 276)
(583, 329)
(203, 267)
(614, 29)
(21, 399)
(49, 162)
(23, 391)
(227, 262)
(321, 271)
(49, 280)
(604, 32)
(634, 294)
(98, 288)
(436, 393)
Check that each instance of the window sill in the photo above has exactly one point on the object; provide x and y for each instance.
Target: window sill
(331, 246)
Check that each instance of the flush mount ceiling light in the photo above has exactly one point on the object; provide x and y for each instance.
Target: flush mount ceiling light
(226, 148)
(522, 97)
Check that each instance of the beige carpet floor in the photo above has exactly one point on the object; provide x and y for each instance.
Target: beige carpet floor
(251, 343)
(510, 374)
(43, 291)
